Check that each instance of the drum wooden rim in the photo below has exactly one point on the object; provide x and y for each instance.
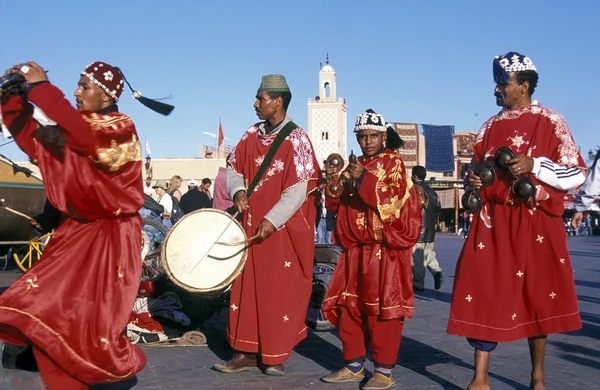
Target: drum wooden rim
(219, 287)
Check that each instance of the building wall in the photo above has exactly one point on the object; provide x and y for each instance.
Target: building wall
(164, 169)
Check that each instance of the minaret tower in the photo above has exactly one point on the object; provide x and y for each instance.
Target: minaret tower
(327, 117)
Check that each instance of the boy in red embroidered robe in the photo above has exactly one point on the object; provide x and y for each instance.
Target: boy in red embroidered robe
(514, 278)
(377, 226)
(74, 303)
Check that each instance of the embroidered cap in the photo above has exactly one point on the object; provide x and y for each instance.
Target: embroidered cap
(106, 77)
(508, 63)
(370, 120)
(112, 81)
(273, 83)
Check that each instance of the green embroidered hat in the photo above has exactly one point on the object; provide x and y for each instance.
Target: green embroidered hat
(273, 83)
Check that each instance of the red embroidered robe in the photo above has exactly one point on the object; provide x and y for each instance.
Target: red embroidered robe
(514, 277)
(269, 300)
(75, 302)
(377, 229)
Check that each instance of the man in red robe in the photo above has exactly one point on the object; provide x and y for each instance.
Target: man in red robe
(514, 278)
(269, 300)
(378, 223)
(74, 303)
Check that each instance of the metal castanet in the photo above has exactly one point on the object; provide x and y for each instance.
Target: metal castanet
(471, 200)
(336, 185)
(522, 186)
(205, 251)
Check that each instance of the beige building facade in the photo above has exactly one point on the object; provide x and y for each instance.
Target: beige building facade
(327, 117)
(165, 168)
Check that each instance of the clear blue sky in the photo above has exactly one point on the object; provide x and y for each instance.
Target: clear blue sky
(426, 61)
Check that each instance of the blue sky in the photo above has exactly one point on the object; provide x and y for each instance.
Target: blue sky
(426, 61)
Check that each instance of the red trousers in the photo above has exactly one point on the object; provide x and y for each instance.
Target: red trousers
(54, 377)
(358, 331)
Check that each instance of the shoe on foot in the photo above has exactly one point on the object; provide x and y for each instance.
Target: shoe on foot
(379, 381)
(344, 375)
(275, 370)
(439, 280)
(239, 362)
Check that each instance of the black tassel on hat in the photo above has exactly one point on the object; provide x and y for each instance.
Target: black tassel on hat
(393, 138)
(153, 104)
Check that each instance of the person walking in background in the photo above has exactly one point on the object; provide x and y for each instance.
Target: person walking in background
(165, 200)
(194, 199)
(221, 200)
(423, 254)
(587, 195)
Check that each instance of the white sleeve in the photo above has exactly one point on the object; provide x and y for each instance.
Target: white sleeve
(590, 189)
(557, 176)
(167, 202)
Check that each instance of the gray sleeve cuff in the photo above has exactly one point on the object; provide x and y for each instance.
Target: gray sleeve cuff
(235, 182)
(288, 204)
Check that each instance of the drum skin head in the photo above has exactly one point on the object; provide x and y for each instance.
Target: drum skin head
(192, 258)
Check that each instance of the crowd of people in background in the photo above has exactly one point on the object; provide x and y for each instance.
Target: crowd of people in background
(165, 202)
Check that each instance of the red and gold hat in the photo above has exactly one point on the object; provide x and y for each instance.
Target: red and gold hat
(106, 77)
(112, 81)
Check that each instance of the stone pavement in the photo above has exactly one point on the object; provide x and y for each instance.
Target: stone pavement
(429, 358)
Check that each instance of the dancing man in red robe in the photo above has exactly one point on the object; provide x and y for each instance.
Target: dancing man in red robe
(378, 223)
(74, 303)
(269, 300)
(514, 278)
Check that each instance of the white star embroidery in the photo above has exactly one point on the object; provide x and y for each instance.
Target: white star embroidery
(539, 239)
(105, 343)
(285, 318)
(481, 246)
(517, 140)
(469, 298)
(288, 264)
(519, 274)
(552, 295)
(32, 283)
(234, 307)
(378, 254)
(562, 261)
(514, 316)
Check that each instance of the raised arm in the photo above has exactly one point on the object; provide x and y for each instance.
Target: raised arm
(77, 131)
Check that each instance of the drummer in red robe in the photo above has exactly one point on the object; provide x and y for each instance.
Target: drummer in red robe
(514, 277)
(74, 303)
(378, 223)
(269, 300)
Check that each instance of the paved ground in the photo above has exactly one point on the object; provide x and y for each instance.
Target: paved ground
(429, 358)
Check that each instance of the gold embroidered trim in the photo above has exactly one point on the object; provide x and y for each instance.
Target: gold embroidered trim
(103, 122)
(67, 347)
(377, 228)
(394, 207)
(117, 155)
(360, 221)
(397, 306)
(242, 341)
(281, 354)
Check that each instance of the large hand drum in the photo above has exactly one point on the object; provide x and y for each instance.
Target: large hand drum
(205, 251)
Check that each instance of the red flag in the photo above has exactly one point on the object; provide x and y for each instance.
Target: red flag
(221, 136)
